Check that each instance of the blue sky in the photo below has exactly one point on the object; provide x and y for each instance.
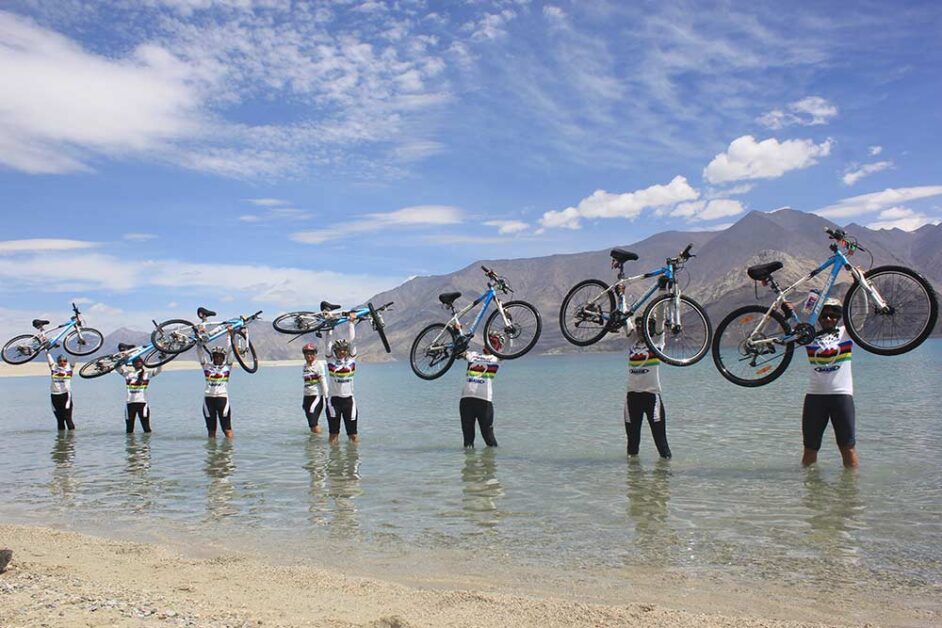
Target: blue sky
(158, 155)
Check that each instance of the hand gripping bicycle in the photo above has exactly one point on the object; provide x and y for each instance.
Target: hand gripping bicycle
(177, 335)
(73, 336)
(888, 310)
(592, 309)
(299, 323)
(126, 354)
(516, 324)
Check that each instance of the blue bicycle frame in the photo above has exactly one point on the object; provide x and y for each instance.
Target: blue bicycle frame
(485, 298)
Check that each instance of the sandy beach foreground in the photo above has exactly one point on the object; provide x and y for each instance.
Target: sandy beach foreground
(68, 579)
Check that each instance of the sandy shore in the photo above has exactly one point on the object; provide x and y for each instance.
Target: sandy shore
(66, 579)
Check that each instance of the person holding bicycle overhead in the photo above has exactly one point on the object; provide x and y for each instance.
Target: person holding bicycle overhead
(476, 403)
(217, 365)
(644, 390)
(830, 388)
(315, 387)
(137, 379)
(61, 390)
(341, 369)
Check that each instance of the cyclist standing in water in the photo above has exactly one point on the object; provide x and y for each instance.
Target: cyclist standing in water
(644, 391)
(315, 387)
(341, 369)
(477, 403)
(137, 379)
(217, 366)
(830, 388)
(61, 390)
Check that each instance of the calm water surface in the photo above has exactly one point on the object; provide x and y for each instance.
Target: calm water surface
(557, 494)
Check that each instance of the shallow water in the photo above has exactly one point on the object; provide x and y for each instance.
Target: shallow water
(557, 494)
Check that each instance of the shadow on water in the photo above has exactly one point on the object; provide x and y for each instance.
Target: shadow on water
(648, 495)
(219, 467)
(481, 490)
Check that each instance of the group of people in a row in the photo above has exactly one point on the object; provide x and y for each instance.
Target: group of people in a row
(829, 397)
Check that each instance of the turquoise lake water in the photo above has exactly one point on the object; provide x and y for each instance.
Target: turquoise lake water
(558, 493)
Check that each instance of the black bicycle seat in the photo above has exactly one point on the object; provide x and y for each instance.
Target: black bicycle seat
(38, 323)
(621, 256)
(327, 306)
(124, 347)
(202, 312)
(448, 297)
(763, 271)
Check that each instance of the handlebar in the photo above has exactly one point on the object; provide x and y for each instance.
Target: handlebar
(252, 317)
(835, 234)
(841, 237)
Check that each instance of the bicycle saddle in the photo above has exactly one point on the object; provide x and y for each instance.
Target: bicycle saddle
(38, 323)
(621, 256)
(124, 347)
(202, 312)
(763, 271)
(448, 298)
(327, 306)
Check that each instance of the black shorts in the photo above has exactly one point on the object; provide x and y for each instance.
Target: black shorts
(818, 410)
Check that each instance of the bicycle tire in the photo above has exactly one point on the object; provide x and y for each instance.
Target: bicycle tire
(90, 342)
(721, 344)
(568, 322)
(295, 323)
(155, 357)
(861, 322)
(101, 366)
(379, 326)
(514, 332)
(17, 351)
(700, 345)
(244, 351)
(442, 356)
(174, 341)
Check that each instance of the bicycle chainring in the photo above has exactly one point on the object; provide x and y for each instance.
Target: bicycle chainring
(616, 322)
(804, 334)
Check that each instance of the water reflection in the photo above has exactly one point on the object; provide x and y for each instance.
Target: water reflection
(139, 484)
(343, 486)
(63, 484)
(834, 508)
(319, 506)
(481, 489)
(648, 494)
(219, 467)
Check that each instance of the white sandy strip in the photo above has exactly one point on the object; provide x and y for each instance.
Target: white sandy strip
(39, 367)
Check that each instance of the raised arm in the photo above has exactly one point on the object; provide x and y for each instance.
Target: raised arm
(203, 355)
(156, 371)
(352, 334)
(50, 361)
(229, 348)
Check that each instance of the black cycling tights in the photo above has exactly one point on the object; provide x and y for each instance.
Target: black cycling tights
(650, 404)
(217, 408)
(137, 409)
(482, 411)
(62, 408)
(312, 404)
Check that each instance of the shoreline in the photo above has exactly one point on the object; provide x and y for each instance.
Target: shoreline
(38, 367)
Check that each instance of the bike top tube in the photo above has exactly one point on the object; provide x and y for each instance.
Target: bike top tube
(485, 298)
(836, 263)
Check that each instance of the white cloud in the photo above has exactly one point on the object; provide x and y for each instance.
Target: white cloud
(877, 201)
(266, 202)
(902, 218)
(417, 216)
(553, 12)
(809, 111)
(41, 244)
(139, 237)
(735, 190)
(491, 26)
(856, 173)
(629, 205)
(874, 150)
(708, 210)
(748, 159)
(62, 272)
(506, 227)
(277, 214)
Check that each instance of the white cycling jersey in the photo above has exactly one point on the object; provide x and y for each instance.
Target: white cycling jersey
(643, 365)
(829, 356)
(217, 377)
(61, 377)
(341, 371)
(137, 382)
(479, 377)
(315, 384)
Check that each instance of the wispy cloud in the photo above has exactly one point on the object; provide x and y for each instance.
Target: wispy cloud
(877, 201)
(695, 211)
(857, 172)
(140, 237)
(507, 227)
(48, 244)
(809, 111)
(418, 216)
(873, 151)
(902, 218)
(748, 159)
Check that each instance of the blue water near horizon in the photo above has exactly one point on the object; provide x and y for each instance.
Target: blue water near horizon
(558, 493)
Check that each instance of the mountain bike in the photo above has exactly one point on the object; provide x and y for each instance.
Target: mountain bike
(178, 335)
(516, 324)
(126, 354)
(592, 309)
(888, 310)
(74, 337)
(299, 323)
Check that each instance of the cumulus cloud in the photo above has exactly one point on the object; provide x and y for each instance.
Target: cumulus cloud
(902, 218)
(877, 201)
(856, 172)
(417, 216)
(507, 227)
(809, 111)
(629, 205)
(695, 211)
(748, 159)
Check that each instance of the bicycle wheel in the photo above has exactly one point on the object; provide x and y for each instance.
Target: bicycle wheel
(518, 334)
(433, 351)
(586, 311)
(22, 349)
(687, 331)
(155, 357)
(298, 322)
(244, 351)
(100, 366)
(749, 355)
(174, 336)
(379, 326)
(913, 310)
(84, 342)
